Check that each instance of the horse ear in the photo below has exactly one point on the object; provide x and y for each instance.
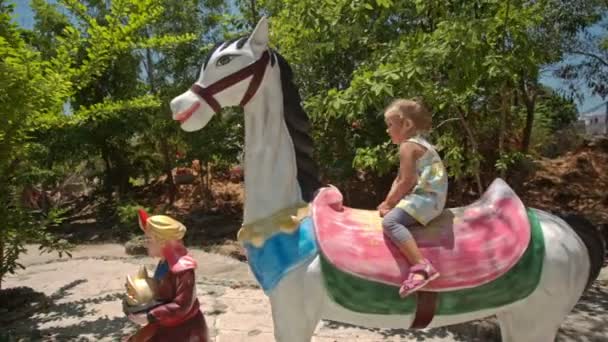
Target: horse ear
(142, 218)
(259, 38)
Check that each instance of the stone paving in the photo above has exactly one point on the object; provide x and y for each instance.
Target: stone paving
(86, 298)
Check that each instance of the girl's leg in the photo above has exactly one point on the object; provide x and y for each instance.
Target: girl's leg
(395, 225)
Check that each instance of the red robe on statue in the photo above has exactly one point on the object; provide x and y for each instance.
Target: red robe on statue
(180, 318)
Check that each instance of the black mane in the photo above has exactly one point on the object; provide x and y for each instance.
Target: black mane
(298, 126)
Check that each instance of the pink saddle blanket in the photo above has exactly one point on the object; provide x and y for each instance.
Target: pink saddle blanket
(469, 246)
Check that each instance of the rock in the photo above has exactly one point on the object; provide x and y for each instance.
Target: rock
(585, 166)
(19, 303)
(218, 308)
(233, 250)
(600, 143)
(564, 197)
(184, 178)
(573, 176)
(486, 330)
(213, 226)
(136, 246)
(542, 182)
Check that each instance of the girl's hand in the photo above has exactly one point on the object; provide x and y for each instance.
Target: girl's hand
(383, 209)
(383, 212)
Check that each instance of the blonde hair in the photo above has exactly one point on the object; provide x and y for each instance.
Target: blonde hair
(164, 229)
(414, 110)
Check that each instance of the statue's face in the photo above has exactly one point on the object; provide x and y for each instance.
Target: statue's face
(154, 247)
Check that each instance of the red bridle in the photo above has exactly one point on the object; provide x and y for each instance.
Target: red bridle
(256, 69)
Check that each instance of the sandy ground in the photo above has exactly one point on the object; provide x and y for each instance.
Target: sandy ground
(86, 298)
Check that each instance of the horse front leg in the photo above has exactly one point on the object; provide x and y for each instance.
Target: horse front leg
(296, 306)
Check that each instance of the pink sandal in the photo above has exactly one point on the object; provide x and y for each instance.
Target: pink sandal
(411, 285)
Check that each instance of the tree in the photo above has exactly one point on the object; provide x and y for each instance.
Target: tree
(47, 71)
(475, 63)
(562, 25)
(170, 71)
(23, 75)
(587, 64)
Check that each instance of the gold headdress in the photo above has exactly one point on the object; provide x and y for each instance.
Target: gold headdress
(160, 227)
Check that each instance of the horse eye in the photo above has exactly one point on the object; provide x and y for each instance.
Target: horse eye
(224, 60)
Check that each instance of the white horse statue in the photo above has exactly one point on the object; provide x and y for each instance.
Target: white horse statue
(317, 259)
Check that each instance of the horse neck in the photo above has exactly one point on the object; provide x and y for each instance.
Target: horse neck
(270, 162)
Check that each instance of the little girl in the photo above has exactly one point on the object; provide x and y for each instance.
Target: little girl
(418, 193)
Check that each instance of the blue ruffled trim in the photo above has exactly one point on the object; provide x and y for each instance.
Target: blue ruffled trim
(281, 253)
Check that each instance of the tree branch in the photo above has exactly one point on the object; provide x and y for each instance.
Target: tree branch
(254, 14)
(473, 143)
(592, 55)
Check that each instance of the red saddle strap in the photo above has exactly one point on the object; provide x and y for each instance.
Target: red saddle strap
(426, 304)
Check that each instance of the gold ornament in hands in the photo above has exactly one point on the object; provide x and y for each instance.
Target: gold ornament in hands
(141, 291)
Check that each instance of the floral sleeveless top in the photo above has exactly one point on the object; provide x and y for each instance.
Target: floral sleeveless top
(427, 199)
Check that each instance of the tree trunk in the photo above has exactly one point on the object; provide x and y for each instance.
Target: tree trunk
(505, 105)
(1, 261)
(505, 109)
(209, 180)
(150, 69)
(254, 14)
(203, 179)
(474, 147)
(530, 104)
(205, 175)
(164, 146)
(120, 172)
(525, 145)
(108, 174)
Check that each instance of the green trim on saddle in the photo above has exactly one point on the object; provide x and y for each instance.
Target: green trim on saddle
(365, 296)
